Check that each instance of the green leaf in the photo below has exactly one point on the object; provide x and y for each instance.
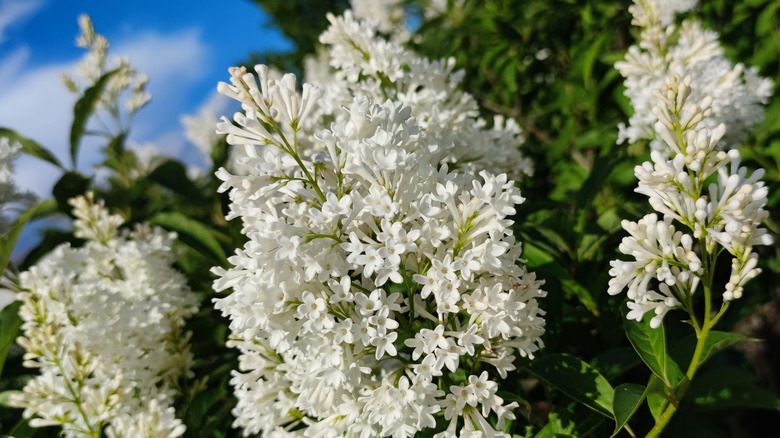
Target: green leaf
(219, 153)
(514, 397)
(592, 186)
(767, 20)
(116, 154)
(716, 341)
(576, 379)
(9, 238)
(542, 263)
(83, 110)
(30, 147)
(10, 321)
(628, 398)
(656, 396)
(609, 221)
(615, 362)
(202, 404)
(70, 185)
(23, 429)
(556, 428)
(193, 233)
(650, 344)
(590, 57)
(589, 246)
(173, 175)
(730, 387)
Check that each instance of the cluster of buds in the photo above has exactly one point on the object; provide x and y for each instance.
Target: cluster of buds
(699, 188)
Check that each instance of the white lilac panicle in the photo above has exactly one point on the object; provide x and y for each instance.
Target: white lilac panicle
(437, 8)
(660, 253)
(372, 273)
(664, 49)
(120, 284)
(386, 16)
(96, 64)
(199, 127)
(11, 199)
(355, 60)
(8, 153)
(10, 196)
(701, 189)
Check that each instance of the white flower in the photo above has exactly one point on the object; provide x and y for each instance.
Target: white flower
(703, 189)
(96, 63)
(10, 196)
(387, 16)
(199, 127)
(664, 50)
(368, 235)
(122, 286)
(356, 61)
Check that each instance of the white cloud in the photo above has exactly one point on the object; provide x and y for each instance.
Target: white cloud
(13, 63)
(16, 11)
(37, 105)
(172, 63)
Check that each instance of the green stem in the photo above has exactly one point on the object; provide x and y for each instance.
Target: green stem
(292, 150)
(701, 340)
(76, 398)
(411, 289)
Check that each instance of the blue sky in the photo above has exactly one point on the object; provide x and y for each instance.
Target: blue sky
(185, 47)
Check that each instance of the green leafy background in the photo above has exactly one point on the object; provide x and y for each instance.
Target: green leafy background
(597, 372)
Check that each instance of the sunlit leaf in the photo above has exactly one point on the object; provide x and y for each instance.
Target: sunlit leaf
(650, 344)
(30, 147)
(9, 238)
(82, 111)
(192, 233)
(716, 341)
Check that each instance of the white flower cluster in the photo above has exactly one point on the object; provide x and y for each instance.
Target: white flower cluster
(8, 153)
(439, 8)
(96, 63)
(9, 194)
(102, 324)
(199, 127)
(357, 61)
(386, 16)
(701, 187)
(738, 93)
(9, 198)
(378, 290)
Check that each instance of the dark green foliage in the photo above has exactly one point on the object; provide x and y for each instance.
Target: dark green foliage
(549, 64)
(83, 110)
(9, 323)
(576, 379)
(301, 22)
